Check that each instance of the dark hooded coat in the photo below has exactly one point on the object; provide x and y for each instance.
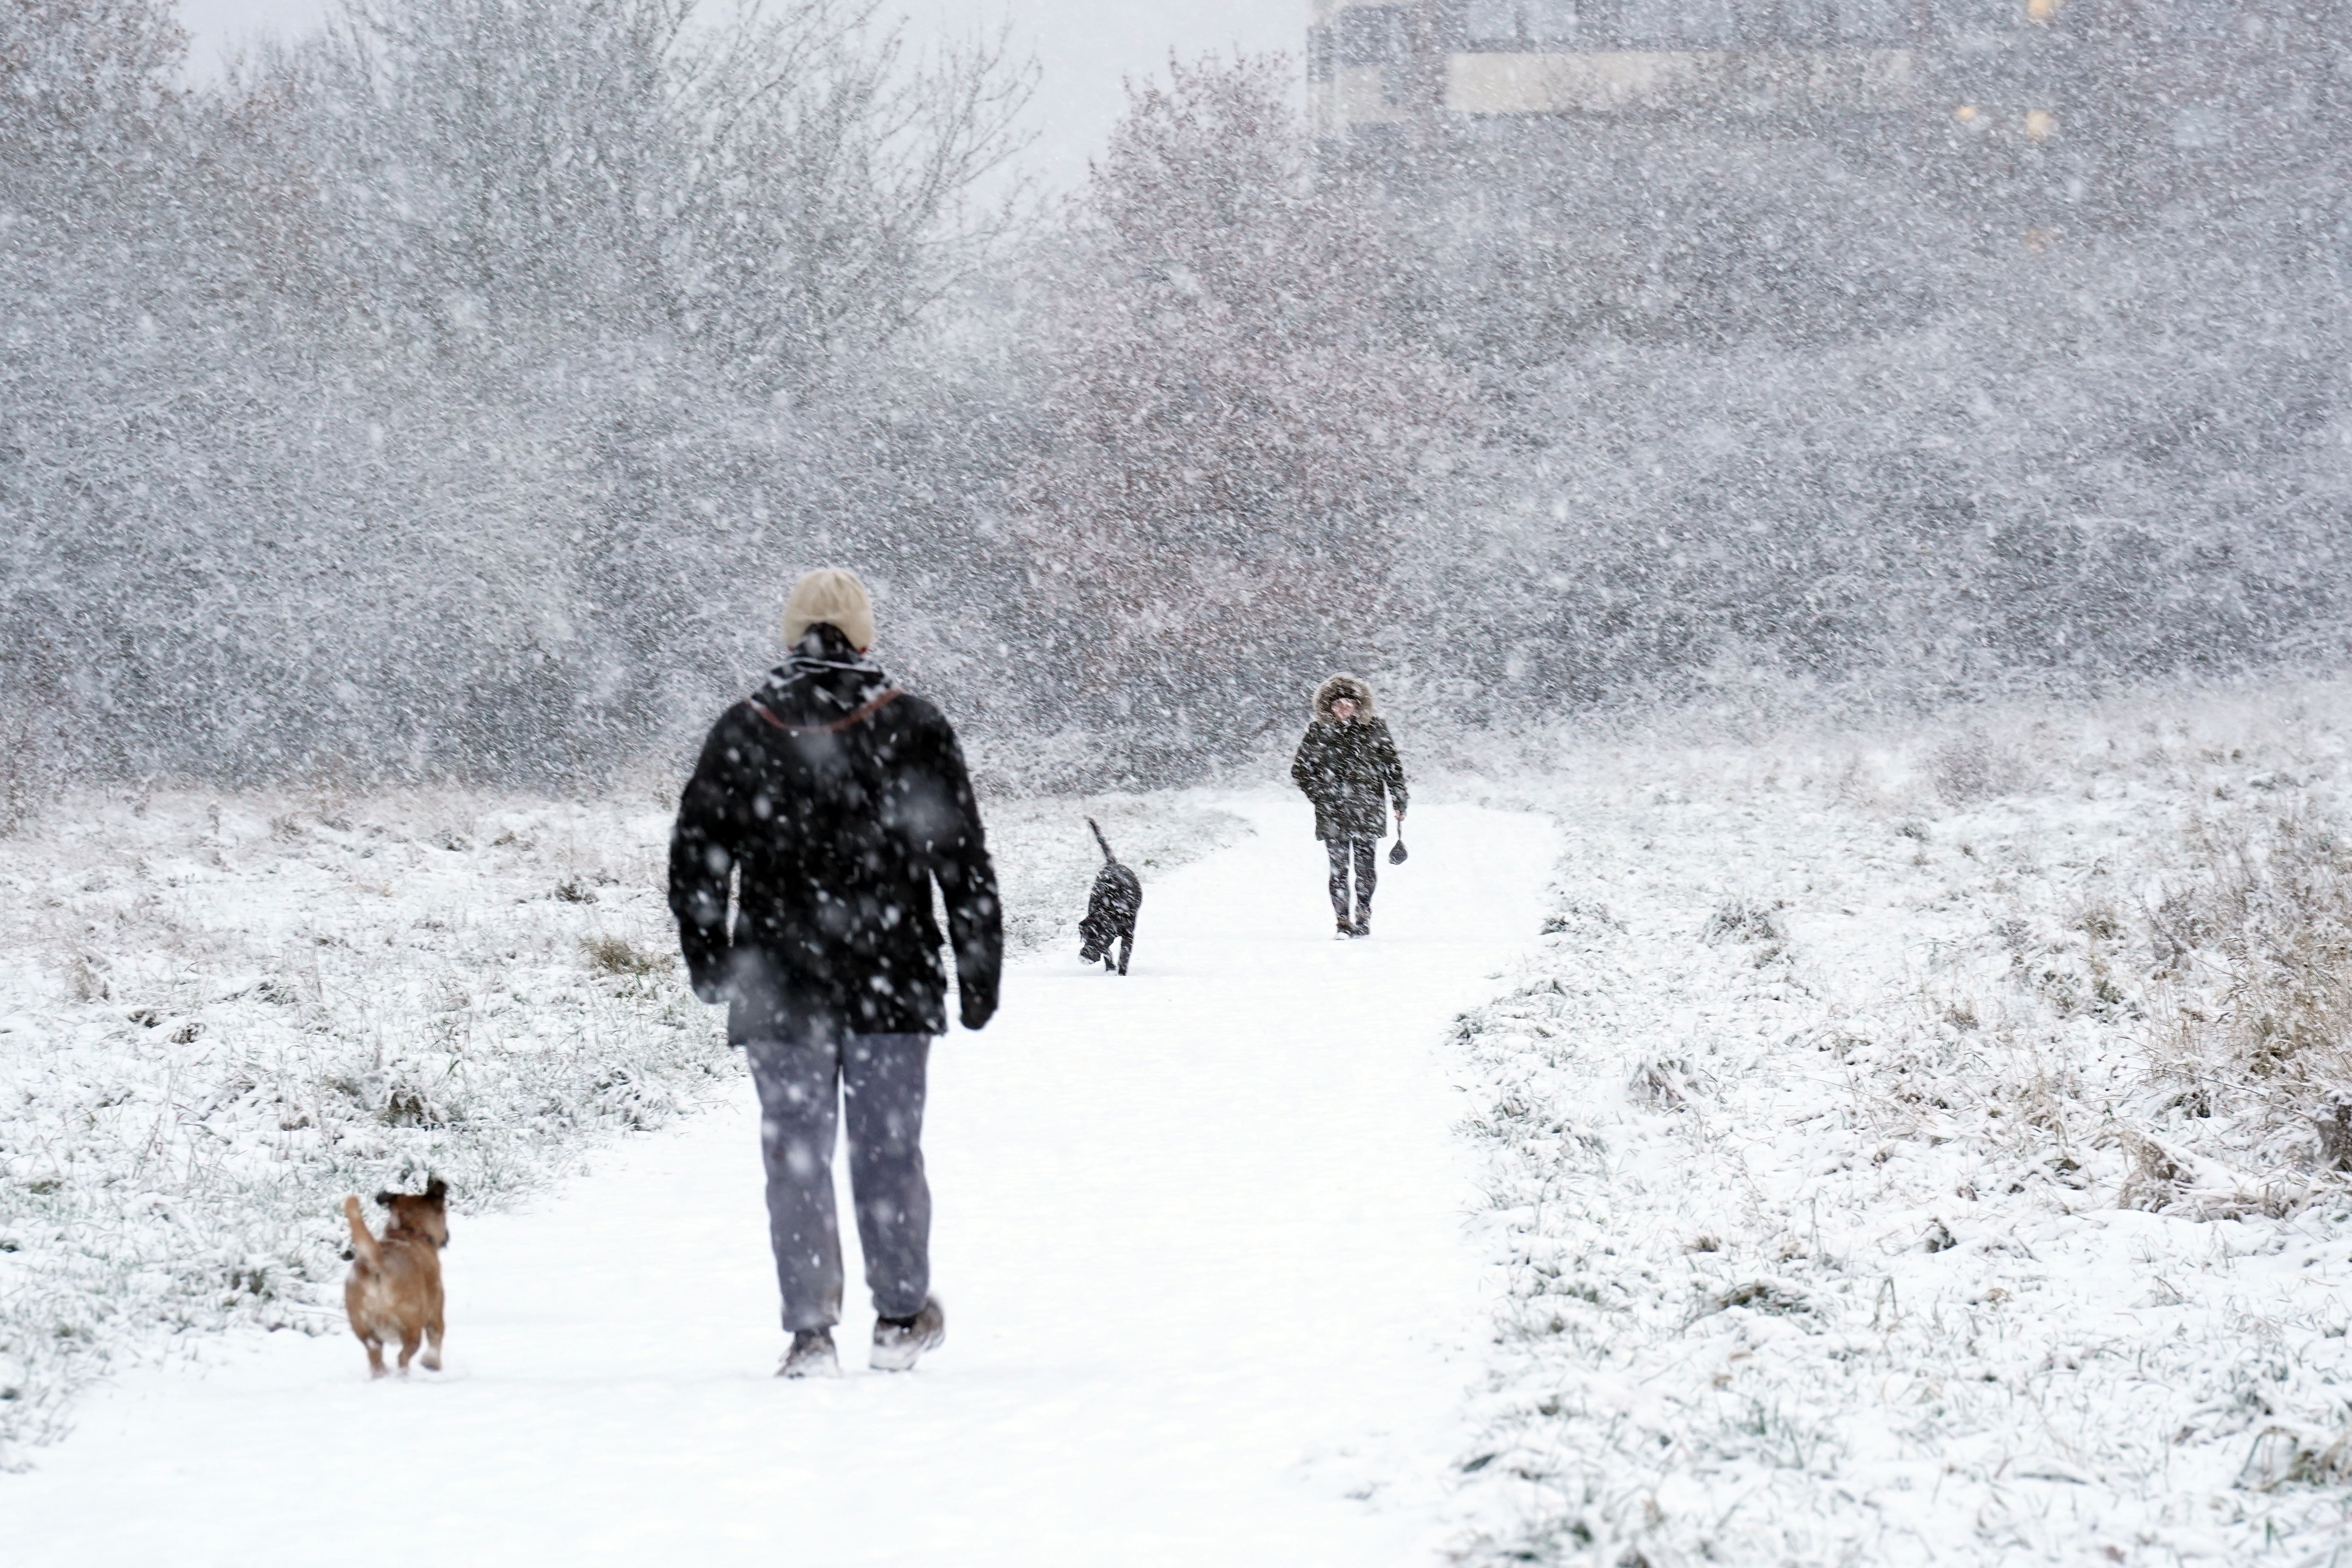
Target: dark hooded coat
(833, 802)
(1347, 768)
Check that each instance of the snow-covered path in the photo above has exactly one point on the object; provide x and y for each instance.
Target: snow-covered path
(1199, 1233)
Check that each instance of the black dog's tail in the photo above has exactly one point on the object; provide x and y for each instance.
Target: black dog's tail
(1101, 840)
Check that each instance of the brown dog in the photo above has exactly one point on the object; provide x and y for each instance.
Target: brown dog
(394, 1290)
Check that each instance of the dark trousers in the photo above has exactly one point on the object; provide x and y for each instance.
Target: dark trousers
(1365, 852)
(880, 1078)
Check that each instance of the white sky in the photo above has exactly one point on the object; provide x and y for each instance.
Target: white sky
(1085, 47)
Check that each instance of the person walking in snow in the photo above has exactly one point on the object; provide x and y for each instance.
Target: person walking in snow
(1347, 761)
(834, 800)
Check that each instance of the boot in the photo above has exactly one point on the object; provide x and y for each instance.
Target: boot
(812, 1355)
(898, 1342)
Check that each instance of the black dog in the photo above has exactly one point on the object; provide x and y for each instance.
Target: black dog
(1110, 910)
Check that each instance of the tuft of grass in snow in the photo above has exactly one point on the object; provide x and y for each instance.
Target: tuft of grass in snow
(616, 954)
(2255, 939)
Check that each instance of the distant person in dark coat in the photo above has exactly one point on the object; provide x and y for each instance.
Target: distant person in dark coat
(1346, 764)
(834, 801)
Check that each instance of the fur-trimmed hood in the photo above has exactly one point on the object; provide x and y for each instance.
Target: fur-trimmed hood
(1338, 686)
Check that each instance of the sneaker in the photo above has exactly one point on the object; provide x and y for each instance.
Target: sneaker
(1363, 926)
(1346, 931)
(898, 1342)
(812, 1355)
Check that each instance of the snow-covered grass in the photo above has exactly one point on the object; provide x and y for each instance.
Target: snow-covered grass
(220, 1013)
(1920, 1148)
(1905, 1152)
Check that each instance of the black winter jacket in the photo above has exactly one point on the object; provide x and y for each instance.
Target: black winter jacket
(834, 802)
(1344, 769)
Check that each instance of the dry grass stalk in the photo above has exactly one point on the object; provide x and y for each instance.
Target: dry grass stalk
(2259, 940)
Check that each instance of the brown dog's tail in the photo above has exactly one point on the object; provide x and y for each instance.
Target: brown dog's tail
(363, 1246)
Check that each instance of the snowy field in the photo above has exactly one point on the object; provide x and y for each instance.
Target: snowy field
(1825, 1150)
(218, 1013)
(1905, 1153)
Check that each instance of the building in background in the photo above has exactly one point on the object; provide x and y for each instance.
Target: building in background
(1534, 138)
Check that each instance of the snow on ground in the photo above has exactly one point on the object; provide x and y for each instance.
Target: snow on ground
(1893, 1151)
(1873, 1177)
(1199, 1231)
(219, 1012)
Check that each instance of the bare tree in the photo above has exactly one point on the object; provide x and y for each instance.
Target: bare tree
(1235, 421)
(773, 185)
(89, 150)
(91, 73)
(825, 198)
(427, 397)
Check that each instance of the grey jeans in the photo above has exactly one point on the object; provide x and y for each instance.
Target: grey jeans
(880, 1078)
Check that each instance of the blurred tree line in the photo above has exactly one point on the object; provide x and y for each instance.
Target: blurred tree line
(454, 394)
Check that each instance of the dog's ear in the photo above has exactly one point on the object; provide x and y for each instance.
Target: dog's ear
(437, 1189)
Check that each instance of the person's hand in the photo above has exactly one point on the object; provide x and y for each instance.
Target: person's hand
(707, 974)
(977, 1005)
